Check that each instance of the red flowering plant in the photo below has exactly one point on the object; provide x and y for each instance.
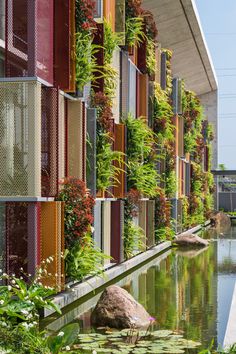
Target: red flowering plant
(84, 14)
(131, 204)
(78, 209)
(134, 9)
(104, 112)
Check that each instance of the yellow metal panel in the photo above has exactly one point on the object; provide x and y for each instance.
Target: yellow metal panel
(20, 138)
(75, 139)
(61, 137)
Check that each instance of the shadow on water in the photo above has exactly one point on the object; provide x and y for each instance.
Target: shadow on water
(185, 290)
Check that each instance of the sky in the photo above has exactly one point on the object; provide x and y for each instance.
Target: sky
(218, 19)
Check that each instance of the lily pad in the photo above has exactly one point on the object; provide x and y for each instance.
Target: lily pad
(162, 333)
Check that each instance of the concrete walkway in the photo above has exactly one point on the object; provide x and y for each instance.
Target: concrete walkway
(230, 334)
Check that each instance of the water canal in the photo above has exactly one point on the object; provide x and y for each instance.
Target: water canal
(189, 291)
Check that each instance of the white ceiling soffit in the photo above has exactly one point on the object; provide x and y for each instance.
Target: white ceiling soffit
(179, 29)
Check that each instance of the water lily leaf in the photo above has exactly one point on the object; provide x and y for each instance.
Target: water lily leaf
(161, 333)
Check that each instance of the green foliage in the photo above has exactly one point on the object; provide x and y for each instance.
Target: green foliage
(24, 340)
(107, 171)
(136, 341)
(168, 71)
(141, 139)
(111, 42)
(163, 114)
(151, 56)
(65, 338)
(84, 259)
(222, 167)
(185, 216)
(21, 301)
(78, 209)
(133, 239)
(134, 28)
(141, 153)
(171, 184)
(193, 120)
(85, 61)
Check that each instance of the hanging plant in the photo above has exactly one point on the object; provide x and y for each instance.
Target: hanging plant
(104, 110)
(151, 57)
(162, 117)
(85, 61)
(107, 171)
(84, 15)
(78, 214)
(141, 155)
(134, 31)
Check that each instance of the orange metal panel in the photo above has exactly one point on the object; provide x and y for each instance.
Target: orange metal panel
(109, 12)
(119, 189)
(133, 54)
(187, 157)
(143, 95)
(52, 239)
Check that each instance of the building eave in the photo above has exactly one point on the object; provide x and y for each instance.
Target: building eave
(180, 30)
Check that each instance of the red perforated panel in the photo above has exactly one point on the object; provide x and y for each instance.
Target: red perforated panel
(49, 146)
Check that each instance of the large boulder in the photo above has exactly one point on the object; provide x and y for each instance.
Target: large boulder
(116, 308)
(220, 220)
(190, 240)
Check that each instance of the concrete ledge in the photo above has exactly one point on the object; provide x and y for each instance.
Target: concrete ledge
(230, 333)
(195, 229)
(82, 289)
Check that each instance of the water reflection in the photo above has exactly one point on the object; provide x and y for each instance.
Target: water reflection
(186, 290)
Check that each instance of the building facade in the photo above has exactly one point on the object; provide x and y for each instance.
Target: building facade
(86, 91)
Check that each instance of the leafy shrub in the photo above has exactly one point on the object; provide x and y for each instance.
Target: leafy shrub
(84, 259)
(78, 209)
(133, 239)
(141, 154)
(107, 171)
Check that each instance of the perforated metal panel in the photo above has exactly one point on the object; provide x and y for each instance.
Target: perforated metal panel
(16, 236)
(20, 138)
(163, 70)
(91, 150)
(64, 39)
(52, 241)
(98, 223)
(3, 254)
(120, 19)
(132, 88)
(61, 137)
(49, 143)
(76, 139)
(142, 103)
(120, 135)
(124, 85)
(117, 231)
(29, 39)
(106, 229)
(116, 99)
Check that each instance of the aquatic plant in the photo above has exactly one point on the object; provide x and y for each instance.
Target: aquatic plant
(135, 341)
